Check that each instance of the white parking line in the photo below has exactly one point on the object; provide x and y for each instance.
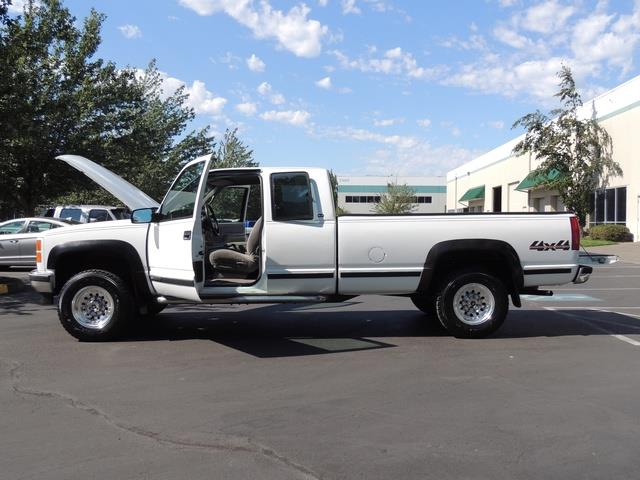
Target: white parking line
(616, 276)
(622, 338)
(592, 289)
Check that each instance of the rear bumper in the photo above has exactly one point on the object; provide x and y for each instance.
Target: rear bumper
(42, 282)
(583, 273)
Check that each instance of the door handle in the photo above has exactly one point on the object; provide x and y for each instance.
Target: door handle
(186, 235)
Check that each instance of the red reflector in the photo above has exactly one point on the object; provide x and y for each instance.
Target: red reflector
(575, 233)
(38, 257)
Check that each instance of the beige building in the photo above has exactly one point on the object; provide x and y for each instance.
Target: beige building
(498, 181)
(361, 194)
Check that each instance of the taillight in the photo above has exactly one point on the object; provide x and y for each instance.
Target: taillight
(39, 251)
(575, 233)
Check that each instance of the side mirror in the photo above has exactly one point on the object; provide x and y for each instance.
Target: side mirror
(143, 215)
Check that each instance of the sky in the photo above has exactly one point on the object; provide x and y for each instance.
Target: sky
(371, 87)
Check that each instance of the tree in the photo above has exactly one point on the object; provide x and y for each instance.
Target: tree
(399, 199)
(575, 155)
(56, 97)
(232, 152)
(333, 180)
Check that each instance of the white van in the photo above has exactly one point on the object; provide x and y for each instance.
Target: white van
(88, 213)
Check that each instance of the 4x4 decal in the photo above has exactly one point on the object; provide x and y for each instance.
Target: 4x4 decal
(541, 246)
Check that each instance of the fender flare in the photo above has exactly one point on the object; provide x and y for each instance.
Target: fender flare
(117, 248)
(476, 245)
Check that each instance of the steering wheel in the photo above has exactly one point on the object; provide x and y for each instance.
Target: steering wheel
(210, 221)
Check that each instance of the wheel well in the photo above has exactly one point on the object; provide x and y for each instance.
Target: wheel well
(491, 261)
(69, 264)
(117, 257)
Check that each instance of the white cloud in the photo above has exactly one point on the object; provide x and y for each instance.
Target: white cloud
(130, 31)
(424, 122)
(297, 118)
(497, 124)
(546, 17)
(511, 37)
(388, 122)
(403, 154)
(255, 64)
(247, 108)
(17, 6)
(266, 90)
(324, 83)
(292, 30)
(322, 3)
(349, 6)
(199, 97)
(394, 61)
(202, 100)
(601, 38)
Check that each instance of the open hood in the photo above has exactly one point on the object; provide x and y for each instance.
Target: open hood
(131, 196)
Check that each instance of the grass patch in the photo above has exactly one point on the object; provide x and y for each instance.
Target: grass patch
(589, 242)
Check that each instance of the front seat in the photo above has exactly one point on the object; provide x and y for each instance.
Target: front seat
(233, 261)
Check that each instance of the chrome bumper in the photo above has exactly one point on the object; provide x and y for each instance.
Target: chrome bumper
(42, 282)
(582, 275)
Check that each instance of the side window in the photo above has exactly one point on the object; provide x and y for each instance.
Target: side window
(181, 197)
(98, 215)
(291, 196)
(71, 214)
(228, 204)
(12, 227)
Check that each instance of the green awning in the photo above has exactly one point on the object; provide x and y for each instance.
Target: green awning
(475, 193)
(535, 179)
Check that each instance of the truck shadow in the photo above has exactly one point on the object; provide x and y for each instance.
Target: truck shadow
(282, 331)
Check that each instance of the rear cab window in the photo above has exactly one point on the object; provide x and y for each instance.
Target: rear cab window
(71, 214)
(291, 197)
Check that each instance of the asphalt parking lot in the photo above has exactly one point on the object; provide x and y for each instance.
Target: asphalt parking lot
(366, 389)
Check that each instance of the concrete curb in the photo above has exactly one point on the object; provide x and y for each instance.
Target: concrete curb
(11, 285)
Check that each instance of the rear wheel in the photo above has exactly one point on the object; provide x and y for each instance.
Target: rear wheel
(95, 305)
(472, 304)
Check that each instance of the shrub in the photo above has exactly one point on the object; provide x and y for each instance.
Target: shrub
(613, 233)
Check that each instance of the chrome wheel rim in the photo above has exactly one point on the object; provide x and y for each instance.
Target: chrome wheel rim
(474, 304)
(92, 307)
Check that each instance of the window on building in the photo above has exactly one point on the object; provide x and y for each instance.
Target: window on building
(348, 199)
(609, 206)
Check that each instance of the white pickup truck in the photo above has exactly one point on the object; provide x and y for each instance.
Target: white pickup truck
(196, 247)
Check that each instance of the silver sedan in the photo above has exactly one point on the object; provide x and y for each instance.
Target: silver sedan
(18, 239)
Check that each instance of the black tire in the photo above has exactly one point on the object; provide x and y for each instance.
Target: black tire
(480, 310)
(425, 303)
(116, 312)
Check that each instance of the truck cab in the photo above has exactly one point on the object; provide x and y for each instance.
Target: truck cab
(242, 232)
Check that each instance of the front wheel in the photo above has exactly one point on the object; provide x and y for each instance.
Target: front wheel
(95, 305)
(472, 304)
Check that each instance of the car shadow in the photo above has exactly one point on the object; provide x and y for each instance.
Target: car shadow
(285, 331)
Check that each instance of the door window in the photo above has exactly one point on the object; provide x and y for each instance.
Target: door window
(291, 197)
(181, 198)
(11, 227)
